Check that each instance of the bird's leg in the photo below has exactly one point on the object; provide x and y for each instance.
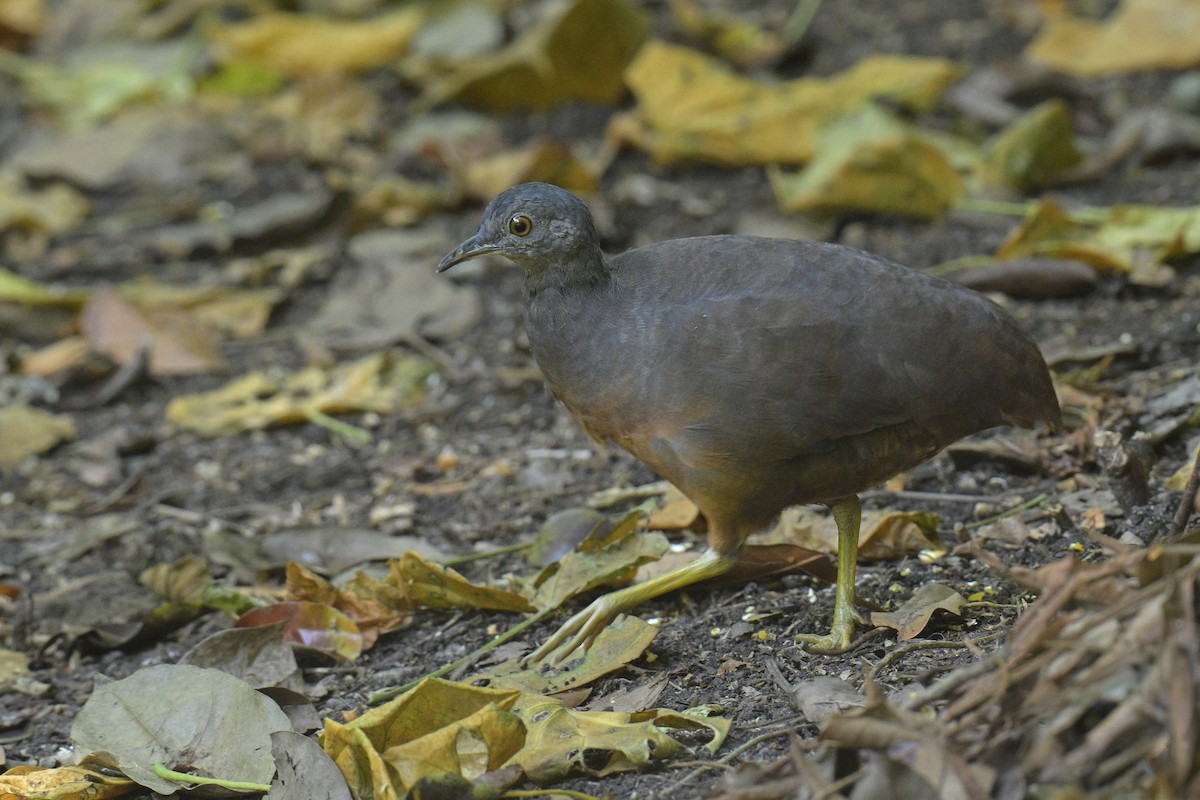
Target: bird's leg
(583, 628)
(847, 513)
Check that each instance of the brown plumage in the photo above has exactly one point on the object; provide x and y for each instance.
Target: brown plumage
(756, 374)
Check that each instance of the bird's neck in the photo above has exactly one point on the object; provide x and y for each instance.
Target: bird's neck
(583, 272)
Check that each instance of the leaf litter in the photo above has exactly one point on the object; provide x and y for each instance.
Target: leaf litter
(1080, 671)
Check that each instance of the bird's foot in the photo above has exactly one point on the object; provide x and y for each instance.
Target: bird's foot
(830, 644)
(838, 640)
(580, 631)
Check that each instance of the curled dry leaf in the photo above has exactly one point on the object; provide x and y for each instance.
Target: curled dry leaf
(912, 617)
(437, 728)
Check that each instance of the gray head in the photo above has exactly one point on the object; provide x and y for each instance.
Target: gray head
(541, 227)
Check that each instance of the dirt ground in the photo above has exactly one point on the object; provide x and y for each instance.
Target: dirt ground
(174, 493)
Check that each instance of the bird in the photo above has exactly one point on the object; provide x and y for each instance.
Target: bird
(755, 374)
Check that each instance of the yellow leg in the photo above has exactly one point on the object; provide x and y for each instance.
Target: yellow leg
(583, 628)
(848, 515)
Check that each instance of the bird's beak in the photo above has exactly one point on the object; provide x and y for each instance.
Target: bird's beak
(469, 249)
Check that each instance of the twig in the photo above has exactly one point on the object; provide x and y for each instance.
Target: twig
(924, 644)
(798, 23)
(344, 429)
(1188, 501)
(499, 551)
(511, 793)
(1008, 512)
(383, 695)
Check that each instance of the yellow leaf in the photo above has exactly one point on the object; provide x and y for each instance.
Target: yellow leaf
(870, 161)
(377, 383)
(27, 431)
(691, 106)
(735, 40)
(576, 54)
(441, 587)
(297, 44)
(437, 728)
(63, 782)
(1034, 148)
(624, 640)
(549, 162)
(23, 16)
(1133, 239)
(1141, 35)
(56, 209)
(17, 289)
(560, 741)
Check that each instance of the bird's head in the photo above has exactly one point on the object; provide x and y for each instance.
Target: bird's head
(538, 226)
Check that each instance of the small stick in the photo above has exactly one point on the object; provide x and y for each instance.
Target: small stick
(1188, 502)
(374, 698)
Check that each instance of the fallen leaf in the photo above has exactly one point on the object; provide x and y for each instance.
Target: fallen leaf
(547, 162)
(392, 295)
(595, 563)
(563, 531)
(692, 107)
(618, 645)
(560, 741)
(316, 626)
(437, 728)
(871, 161)
(90, 91)
(1024, 278)
(26, 431)
(305, 771)
(299, 44)
(1133, 239)
(55, 209)
(1140, 35)
(178, 343)
(376, 606)
(26, 17)
(675, 512)
(912, 617)
(575, 53)
(733, 39)
(180, 715)
(15, 288)
(378, 383)
(259, 656)
(239, 313)
(883, 535)
(93, 783)
(818, 699)
(1034, 149)
(441, 587)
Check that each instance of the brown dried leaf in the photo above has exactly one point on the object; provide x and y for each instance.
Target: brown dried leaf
(912, 617)
(179, 343)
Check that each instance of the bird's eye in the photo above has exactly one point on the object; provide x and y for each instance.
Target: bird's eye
(520, 225)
